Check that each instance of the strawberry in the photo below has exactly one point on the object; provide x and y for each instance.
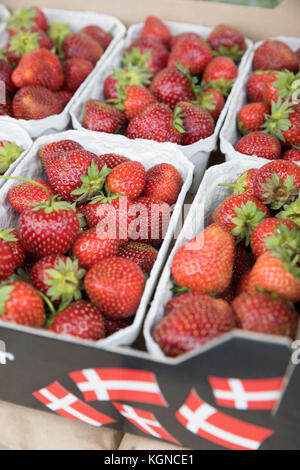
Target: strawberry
(40, 67)
(275, 55)
(102, 37)
(9, 153)
(58, 32)
(6, 109)
(212, 101)
(7, 261)
(187, 35)
(121, 77)
(244, 183)
(242, 263)
(58, 278)
(58, 147)
(92, 245)
(284, 122)
(220, 74)
(260, 145)
(227, 41)
(251, 117)
(269, 229)
(191, 53)
(181, 300)
(284, 279)
(63, 96)
(194, 324)
(244, 283)
(142, 254)
(158, 123)
(205, 263)
(35, 102)
(26, 19)
(291, 211)
(111, 160)
(27, 41)
(293, 154)
(76, 71)
(76, 175)
(112, 325)
(80, 319)
(109, 87)
(262, 313)
(127, 179)
(103, 117)
(255, 85)
(82, 46)
(277, 183)
(173, 84)
(11, 238)
(197, 123)
(155, 28)
(152, 218)
(133, 100)
(240, 215)
(6, 71)
(24, 195)
(163, 182)
(115, 286)
(280, 85)
(149, 53)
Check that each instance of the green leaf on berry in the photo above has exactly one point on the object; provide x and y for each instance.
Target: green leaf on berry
(248, 216)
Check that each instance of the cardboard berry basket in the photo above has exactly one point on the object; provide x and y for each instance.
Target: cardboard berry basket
(76, 20)
(229, 135)
(4, 14)
(199, 152)
(14, 133)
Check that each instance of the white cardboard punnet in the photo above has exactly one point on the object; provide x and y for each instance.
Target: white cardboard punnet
(4, 14)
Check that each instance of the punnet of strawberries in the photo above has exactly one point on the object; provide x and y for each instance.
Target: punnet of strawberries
(243, 270)
(168, 88)
(88, 236)
(269, 124)
(44, 63)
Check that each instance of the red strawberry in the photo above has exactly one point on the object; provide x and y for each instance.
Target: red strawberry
(155, 123)
(181, 300)
(190, 326)
(255, 85)
(27, 41)
(149, 53)
(153, 218)
(220, 74)
(187, 35)
(244, 283)
(109, 87)
(212, 101)
(92, 245)
(102, 117)
(59, 278)
(76, 71)
(7, 261)
(240, 215)
(227, 41)
(128, 179)
(82, 46)
(80, 319)
(284, 122)
(121, 77)
(11, 238)
(262, 313)
(280, 85)
(58, 32)
(190, 52)
(142, 254)
(163, 182)
(172, 85)
(6, 71)
(58, 147)
(35, 102)
(275, 55)
(23, 195)
(133, 100)
(6, 109)
(64, 96)
(111, 160)
(112, 325)
(155, 28)
(205, 263)
(103, 38)
(277, 183)
(196, 122)
(251, 117)
(115, 286)
(269, 229)
(27, 18)
(244, 183)
(40, 67)
(293, 155)
(242, 263)
(260, 145)
(9, 153)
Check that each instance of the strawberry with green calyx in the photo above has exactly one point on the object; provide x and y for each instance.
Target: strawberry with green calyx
(58, 32)
(220, 74)
(9, 153)
(146, 53)
(291, 211)
(23, 195)
(120, 77)
(244, 183)
(27, 18)
(283, 85)
(284, 122)
(260, 145)
(197, 123)
(103, 117)
(26, 41)
(251, 117)
(134, 58)
(133, 100)
(212, 101)
(273, 233)
(227, 41)
(285, 238)
(93, 245)
(11, 238)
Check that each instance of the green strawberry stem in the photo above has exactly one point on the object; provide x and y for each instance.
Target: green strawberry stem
(234, 52)
(7, 236)
(178, 290)
(48, 303)
(248, 216)
(59, 32)
(192, 79)
(24, 42)
(291, 211)
(278, 120)
(9, 153)
(278, 192)
(178, 117)
(5, 291)
(21, 19)
(92, 183)
(284, 240)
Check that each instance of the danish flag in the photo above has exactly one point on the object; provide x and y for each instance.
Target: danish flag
(200, 418)
(246, 394)
(58, 399)
(118, 384)
(145, 421)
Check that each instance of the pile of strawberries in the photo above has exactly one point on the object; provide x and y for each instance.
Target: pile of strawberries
(243, 270)
(270, 122)
(169, 88)
(44, 64)
(86, 242)
(9, 153)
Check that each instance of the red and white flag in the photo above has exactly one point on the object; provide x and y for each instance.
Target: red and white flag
(145, 421)
(118, 384)
(202, 419)
(58, 399)
(246, 394)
